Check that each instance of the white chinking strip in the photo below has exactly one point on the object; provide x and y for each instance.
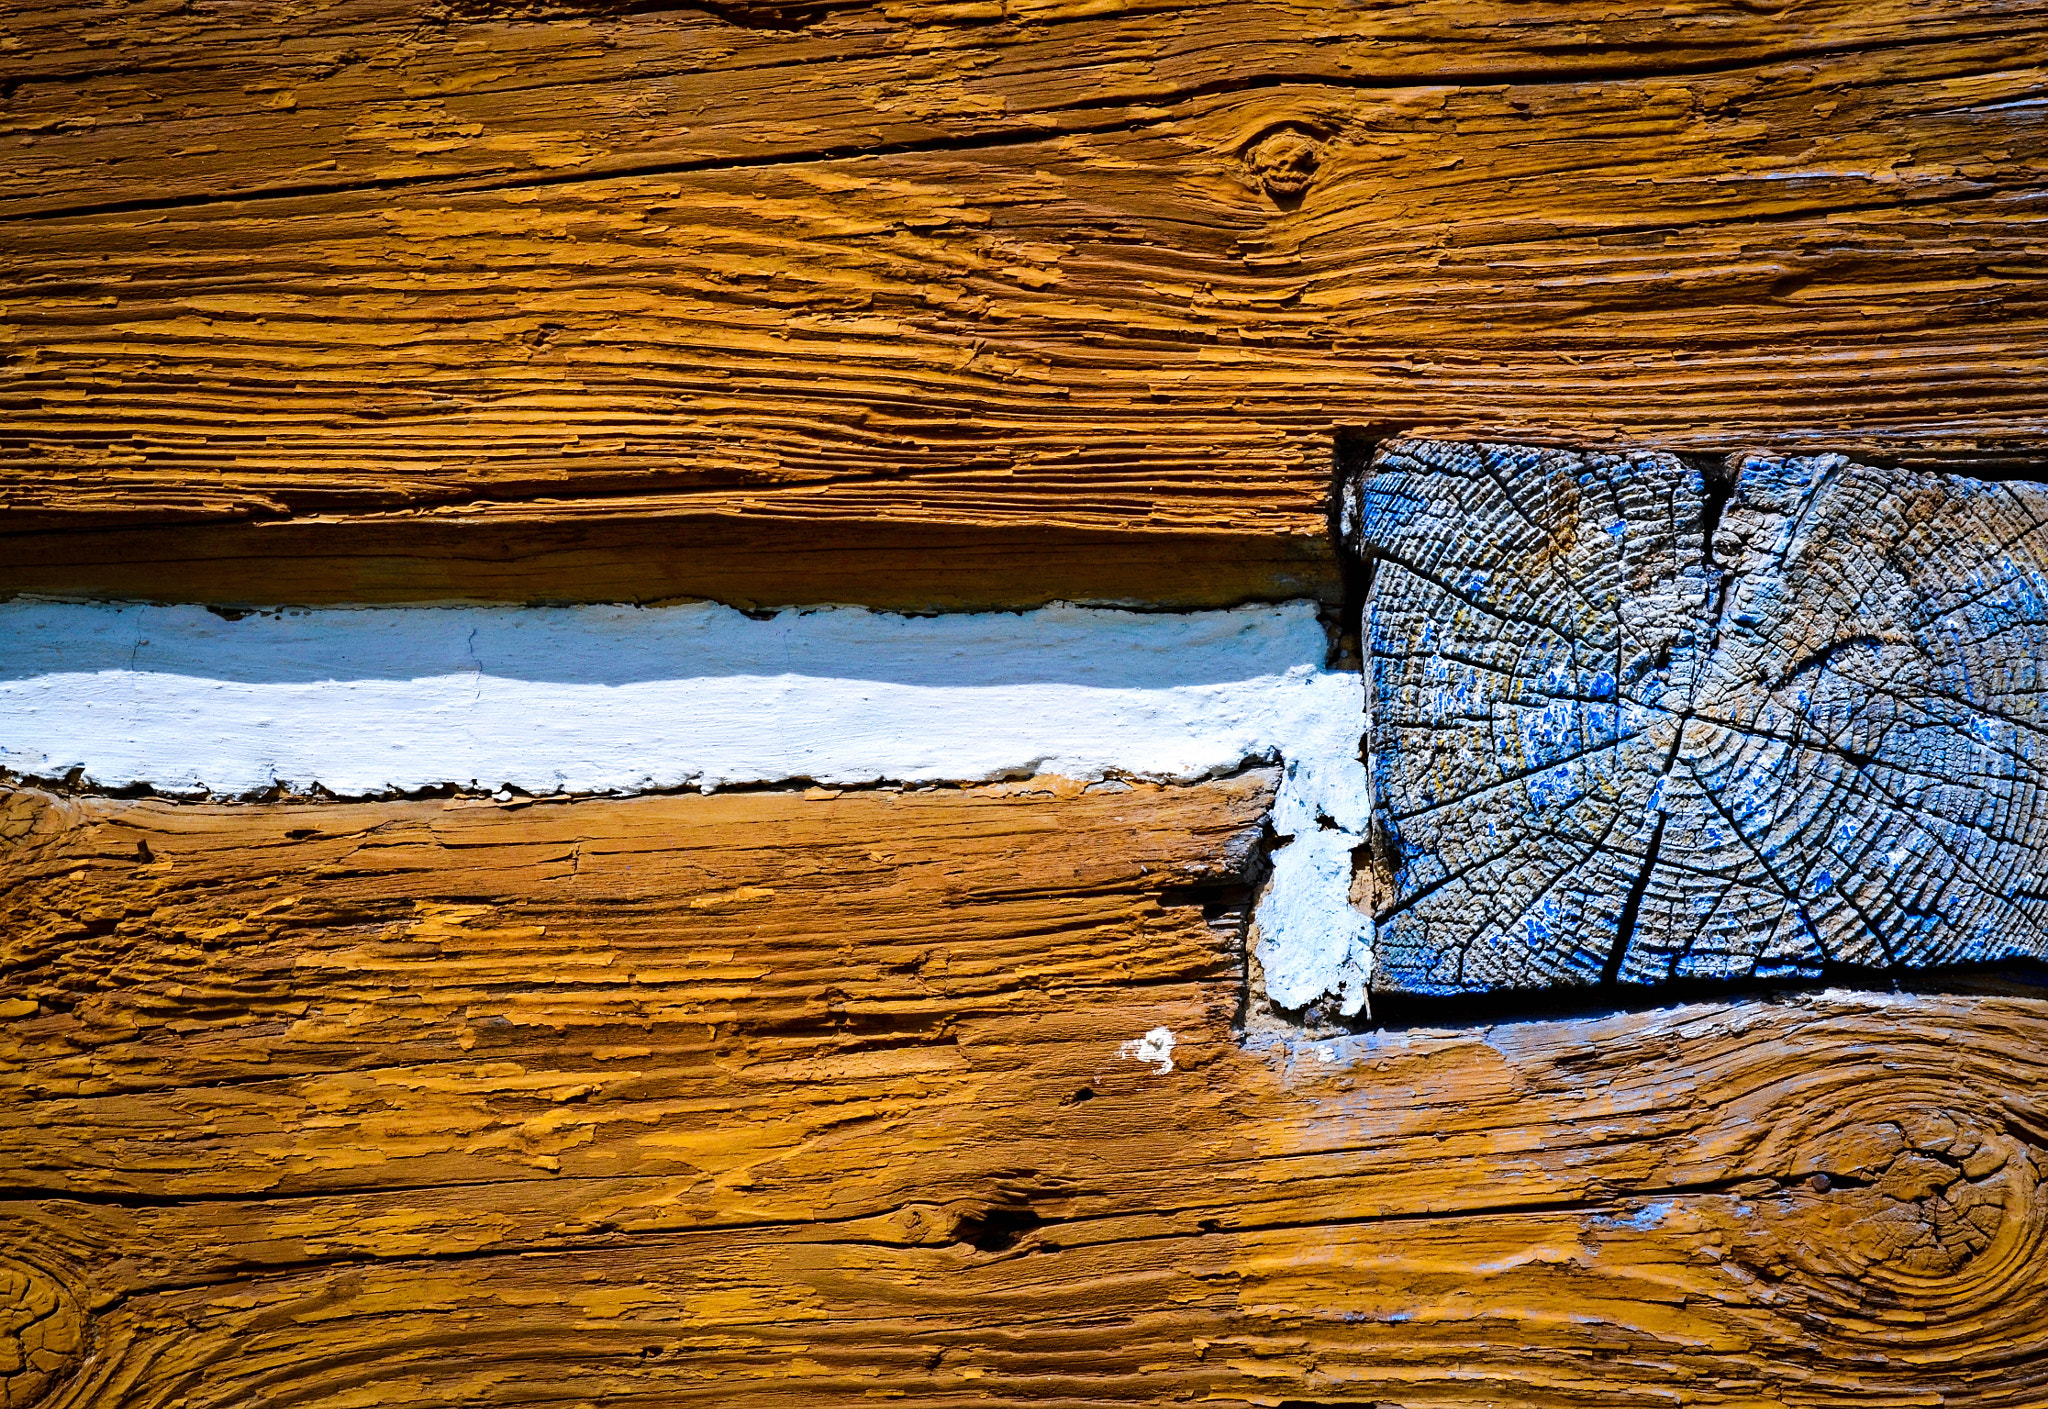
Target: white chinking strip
(364, 701)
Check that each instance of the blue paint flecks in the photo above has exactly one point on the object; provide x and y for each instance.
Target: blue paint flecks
(1642, 1220)
(1601, 753)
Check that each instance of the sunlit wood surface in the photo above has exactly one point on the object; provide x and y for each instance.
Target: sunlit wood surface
(775, 1099)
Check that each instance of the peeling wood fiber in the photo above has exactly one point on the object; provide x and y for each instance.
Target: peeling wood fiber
(781, 1099)
(531, 283)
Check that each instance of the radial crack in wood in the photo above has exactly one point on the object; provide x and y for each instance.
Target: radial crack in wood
(1635, 721)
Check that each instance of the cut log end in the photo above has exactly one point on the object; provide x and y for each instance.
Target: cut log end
(1632, 724)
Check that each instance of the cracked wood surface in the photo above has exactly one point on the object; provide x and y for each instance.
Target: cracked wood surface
(777, 1098)
(383, 300)
(1630, 724)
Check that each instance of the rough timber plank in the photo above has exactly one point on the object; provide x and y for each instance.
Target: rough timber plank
(774, 1099)
(517, 278)
(340, 94)
(1630, 723)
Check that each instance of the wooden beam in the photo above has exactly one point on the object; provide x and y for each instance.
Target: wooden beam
(784, 1099)
(935, 271)
(129, 109)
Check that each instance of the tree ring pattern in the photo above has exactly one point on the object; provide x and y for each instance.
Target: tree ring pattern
(1635, 721)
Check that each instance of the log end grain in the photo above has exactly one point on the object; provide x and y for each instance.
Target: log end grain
(1635, 720)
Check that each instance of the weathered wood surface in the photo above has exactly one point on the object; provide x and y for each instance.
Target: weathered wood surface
(781, 1099)
(530, 283)
(1633, 724)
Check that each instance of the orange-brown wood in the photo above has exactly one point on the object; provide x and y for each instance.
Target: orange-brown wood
(516, 277)
(786, 1098)
(807, 1098)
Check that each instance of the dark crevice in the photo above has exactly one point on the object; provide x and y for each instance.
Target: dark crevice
(1717, 487)
(1994, 466)
(997, 1229)
(1467, 1011)
(1002, 1228)
(1632, 905)
(740, 14)
(486, 182)
(2005, 470)
(1820, 660)
(1625, 927)
(1257, 869)
(1350, 458)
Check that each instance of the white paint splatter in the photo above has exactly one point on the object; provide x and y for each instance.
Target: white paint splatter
(1309, 945)
(362, 701)
(1155, 1046)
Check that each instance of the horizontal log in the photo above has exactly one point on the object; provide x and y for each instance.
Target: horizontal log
(775, 1098)
(121, 108)
(526, 282)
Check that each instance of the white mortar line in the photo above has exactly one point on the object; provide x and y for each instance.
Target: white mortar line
(621, 699)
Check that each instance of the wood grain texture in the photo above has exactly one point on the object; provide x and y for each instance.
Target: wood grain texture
(492, 273)
(1634, 721)
(780, 1099)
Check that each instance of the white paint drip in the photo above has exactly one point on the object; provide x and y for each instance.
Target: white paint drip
(1154, 1046)
(1312, 940)
(362, 701)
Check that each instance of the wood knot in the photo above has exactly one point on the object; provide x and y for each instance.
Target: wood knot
(1284, 160)
(1907, 1217)
(42, 1332)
